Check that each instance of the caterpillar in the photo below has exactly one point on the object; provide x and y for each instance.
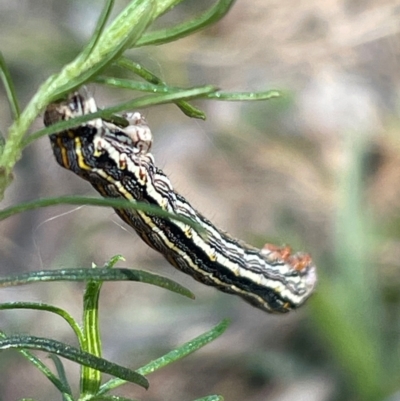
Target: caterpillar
(118, 164)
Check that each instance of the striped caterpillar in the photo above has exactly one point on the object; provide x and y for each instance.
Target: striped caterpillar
(117, 162)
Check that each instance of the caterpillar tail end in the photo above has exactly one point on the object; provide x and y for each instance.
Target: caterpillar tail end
(301, 274)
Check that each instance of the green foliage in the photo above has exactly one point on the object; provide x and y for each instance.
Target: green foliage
(105, 49)
(348, 309)
(89, 353)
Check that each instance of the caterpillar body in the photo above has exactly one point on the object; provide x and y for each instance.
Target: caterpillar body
(117, 162)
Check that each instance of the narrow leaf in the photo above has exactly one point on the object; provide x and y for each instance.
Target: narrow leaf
(187, 108)
(5, 77)
(148, 76)
(172, 356)
(144, 101)
(73, 354)
(48, 308)
(211, 16)
(113, 260)
(61, 373)
(123, 32)
(59, 384)
(101, 274)
(100, 26)
(82, 200)
(243, 96)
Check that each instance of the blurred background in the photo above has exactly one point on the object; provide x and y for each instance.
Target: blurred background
(318, 168)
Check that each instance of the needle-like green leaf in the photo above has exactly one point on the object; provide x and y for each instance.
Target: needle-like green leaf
(62, 386)
(73, 354)
(211, 16)
(108, 202)
(5, 77)
(47, 308)
(144, 101)
(174, 355)
(99, 274)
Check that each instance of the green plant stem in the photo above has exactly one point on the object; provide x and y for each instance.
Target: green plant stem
(102, 50)
(91, 378)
